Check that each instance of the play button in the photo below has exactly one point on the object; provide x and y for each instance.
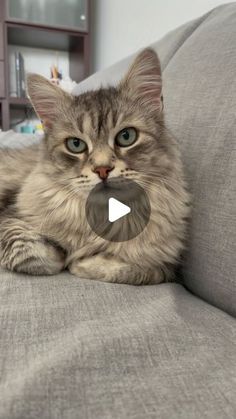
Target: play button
(118, 209)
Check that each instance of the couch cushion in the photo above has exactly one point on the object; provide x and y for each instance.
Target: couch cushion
(12, 139)
(73, 348)
(200, 88)
(199, 61)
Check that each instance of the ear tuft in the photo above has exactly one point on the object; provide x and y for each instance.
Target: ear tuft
(45, 97)
(143, 81)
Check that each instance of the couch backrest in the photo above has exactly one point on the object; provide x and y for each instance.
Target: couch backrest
(199, 72)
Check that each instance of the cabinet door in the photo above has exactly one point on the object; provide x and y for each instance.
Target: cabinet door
(68, 13)
(2, 79)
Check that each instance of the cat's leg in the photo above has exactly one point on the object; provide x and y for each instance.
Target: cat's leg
(23, 250)
(109, 269)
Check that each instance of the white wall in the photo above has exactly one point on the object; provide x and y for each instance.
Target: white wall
(121, 27)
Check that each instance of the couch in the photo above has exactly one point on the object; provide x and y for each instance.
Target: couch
(72, 348)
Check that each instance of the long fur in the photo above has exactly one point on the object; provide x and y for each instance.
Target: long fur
(43, 191)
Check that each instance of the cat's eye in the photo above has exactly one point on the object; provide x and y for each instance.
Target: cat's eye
(126, 137)
(76, 145)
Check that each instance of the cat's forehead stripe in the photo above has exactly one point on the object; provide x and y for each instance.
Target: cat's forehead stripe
(93, 118)
(102, 115)
(97, 121)
(80, 119)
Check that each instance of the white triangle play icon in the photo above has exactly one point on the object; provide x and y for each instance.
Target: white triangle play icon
(116, 210)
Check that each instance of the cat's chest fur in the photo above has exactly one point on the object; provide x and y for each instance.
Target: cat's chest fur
(53, 212)
(61, 217)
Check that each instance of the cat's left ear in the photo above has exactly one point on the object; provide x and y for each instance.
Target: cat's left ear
(49, 100)
(143, 81)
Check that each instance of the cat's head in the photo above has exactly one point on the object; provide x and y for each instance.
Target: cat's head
(110, 132)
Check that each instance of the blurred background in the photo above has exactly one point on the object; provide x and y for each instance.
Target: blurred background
(120, 27)
(68, 40)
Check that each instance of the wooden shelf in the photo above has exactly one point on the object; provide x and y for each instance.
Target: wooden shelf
(74, 41)
(42, 37)
(21, 101)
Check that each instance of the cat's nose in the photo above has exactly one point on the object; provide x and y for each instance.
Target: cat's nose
(103, 171)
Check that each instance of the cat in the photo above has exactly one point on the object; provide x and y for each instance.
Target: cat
(44, 187)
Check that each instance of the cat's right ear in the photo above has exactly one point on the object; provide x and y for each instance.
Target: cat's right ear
(143, 81)
(46, 98)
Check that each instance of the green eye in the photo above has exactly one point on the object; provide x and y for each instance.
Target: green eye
(126, 137)
(76, 145)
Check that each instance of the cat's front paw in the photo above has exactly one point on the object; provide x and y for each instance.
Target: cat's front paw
(30, 253)
(84, 269)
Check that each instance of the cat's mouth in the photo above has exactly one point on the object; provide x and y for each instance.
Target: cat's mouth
(122, 178)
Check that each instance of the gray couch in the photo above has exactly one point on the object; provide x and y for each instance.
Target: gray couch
(73, 348)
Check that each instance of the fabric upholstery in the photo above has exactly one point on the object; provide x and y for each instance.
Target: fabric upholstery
(199, 61)
(75, 349)
(200, 90)
(12, 139)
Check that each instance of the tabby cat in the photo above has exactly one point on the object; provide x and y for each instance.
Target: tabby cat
(111, 132)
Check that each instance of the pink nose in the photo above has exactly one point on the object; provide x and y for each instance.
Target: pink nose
(103, 171)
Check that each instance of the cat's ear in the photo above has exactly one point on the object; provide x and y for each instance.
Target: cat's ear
(47, 99)
(143, 80)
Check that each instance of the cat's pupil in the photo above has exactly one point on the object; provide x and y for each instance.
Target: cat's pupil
(125, 135)
(76, 142)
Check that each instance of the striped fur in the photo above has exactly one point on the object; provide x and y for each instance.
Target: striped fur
(43, 191)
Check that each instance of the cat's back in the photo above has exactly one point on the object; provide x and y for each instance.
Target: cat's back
(15, 166)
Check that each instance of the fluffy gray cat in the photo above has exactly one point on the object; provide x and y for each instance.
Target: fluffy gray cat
(43, 191)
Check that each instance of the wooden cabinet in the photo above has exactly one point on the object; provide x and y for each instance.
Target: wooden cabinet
(1, 42)
(24, 24)
(70, 14)
(2, 80)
